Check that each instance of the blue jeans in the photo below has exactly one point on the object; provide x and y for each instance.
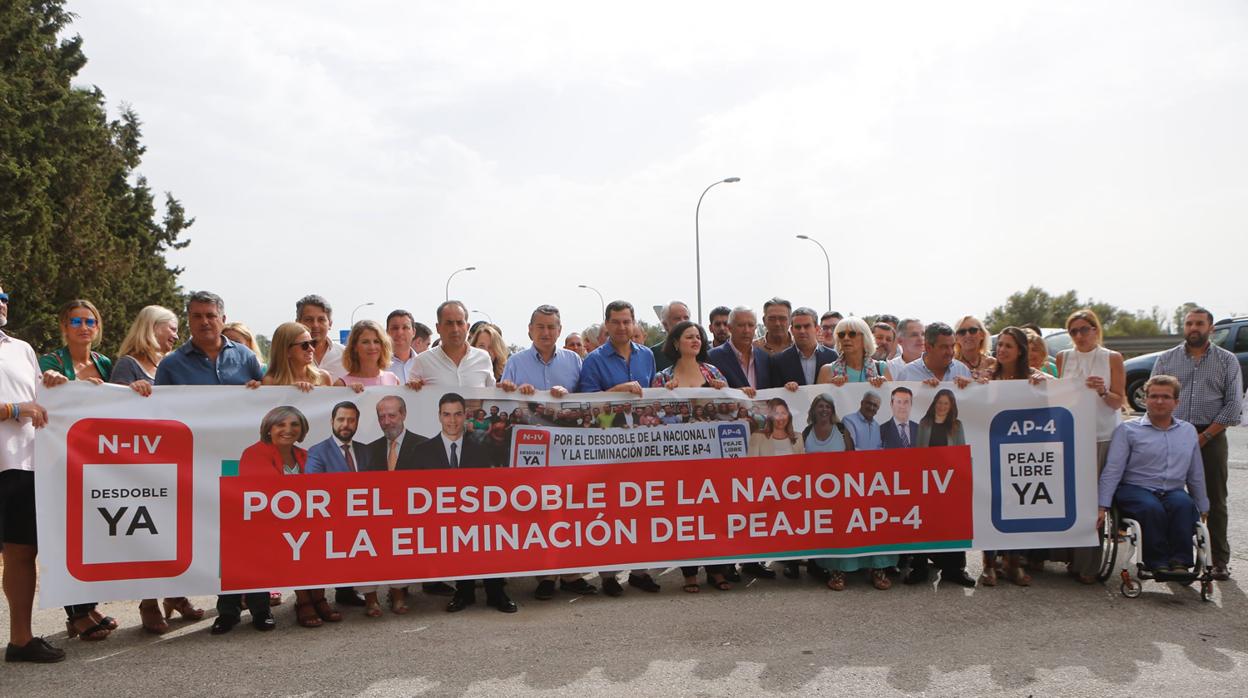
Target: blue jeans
(1168, 520)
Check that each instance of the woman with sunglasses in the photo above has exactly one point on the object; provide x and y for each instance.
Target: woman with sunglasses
(153, 334)
(81, 329)
(971, 347)
(856, 344)
(292, 359)
(1101, 370)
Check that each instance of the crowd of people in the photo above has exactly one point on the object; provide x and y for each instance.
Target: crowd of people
(1166, 467)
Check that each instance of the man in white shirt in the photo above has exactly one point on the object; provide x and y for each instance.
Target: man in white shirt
(401, 327)
(20, 415)
(909, 342)
(452, 364)
(314, 312)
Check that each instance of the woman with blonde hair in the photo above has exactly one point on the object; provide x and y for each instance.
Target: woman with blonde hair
(152, 335)
(856, 345)
(239, 333)
(367, 357)
(777, 437)
(490, 338)
(971, 347)
(292, 359)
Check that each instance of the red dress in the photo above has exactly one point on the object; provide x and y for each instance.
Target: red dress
(264, 459)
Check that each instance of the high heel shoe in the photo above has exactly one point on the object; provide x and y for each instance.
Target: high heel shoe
(184, 608)
(91, 633)
(153, 621)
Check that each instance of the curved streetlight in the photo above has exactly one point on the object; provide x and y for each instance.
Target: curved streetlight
(448, 280)
(487, 316)
(602, 303)
(697, 239)
(361, 305)
(829, 263)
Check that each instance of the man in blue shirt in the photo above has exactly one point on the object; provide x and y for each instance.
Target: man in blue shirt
(1150, 460)
(936, 365)
(620, 364)
(862, 426)
(543, 366)
(211, 359)
(623, 366)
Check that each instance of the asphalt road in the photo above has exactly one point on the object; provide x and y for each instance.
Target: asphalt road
(773, 637)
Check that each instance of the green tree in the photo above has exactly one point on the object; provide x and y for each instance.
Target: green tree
(1181, 312)
(78, 221)
(1046, 310)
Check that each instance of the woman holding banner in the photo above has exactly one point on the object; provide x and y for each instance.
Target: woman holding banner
(292, 359)
(1011, 363)
(490, 338)
(971, 346)
(276, 454)
(1101, 370)
(367, 357)
(685, 347)
(81, 330)
(153, 334)
(855, 344)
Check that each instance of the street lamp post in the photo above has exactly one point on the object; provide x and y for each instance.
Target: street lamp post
(361, 305)
(448, 280)
(826, 260)
(487, 316)
(697, 239)
(602, 303)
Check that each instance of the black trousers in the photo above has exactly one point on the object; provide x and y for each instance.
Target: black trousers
(710, 570)
(945, 562)
(231, 605)
(467, 588)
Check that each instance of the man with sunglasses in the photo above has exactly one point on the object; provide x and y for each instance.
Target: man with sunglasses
(20, 415)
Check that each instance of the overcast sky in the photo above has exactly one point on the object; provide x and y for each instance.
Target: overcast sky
(946, 154)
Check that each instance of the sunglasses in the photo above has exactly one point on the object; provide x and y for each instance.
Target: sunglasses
(1080, 331)
(305, 345)
(968, 330)
(79, 321)
(4, 298)
(847, 333)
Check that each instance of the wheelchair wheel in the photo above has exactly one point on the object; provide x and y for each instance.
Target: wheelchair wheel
(1131, 589)
(1109, 545)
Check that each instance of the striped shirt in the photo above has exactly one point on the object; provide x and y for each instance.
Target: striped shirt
(1211, 389)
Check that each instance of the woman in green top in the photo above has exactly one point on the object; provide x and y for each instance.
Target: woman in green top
(81, 328)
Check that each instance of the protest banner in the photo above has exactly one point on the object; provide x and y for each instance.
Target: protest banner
(180, 493)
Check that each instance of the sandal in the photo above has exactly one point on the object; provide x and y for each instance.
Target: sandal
(837, 581)
(183, 607)
(326, 611)
(691, 587)
(1018, 576)
(880, 580)
(151, 618)
(306, 615)
(372, 609)
(989, 577)
(398, 599)
(720, 583)
(106, 621)
(92, 633)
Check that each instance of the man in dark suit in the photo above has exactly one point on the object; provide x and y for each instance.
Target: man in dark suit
(728, 358)
(900, 431)
(450, 450)
(339, 453)
(397, 447)
(800, 363)
(674, 313)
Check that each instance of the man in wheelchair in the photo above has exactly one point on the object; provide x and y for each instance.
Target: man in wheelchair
(1150, 460)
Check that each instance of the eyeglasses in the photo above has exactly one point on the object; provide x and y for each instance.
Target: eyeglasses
(79, 321)
(4, 298)
(1080, 331)
(968, 330)
(847, 333)
(310, 344)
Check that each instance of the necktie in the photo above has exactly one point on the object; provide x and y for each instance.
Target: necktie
(905, 436)
(454, 455)
(346, 451)
(392, 457)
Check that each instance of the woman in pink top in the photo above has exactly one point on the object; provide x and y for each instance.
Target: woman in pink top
(367, 357)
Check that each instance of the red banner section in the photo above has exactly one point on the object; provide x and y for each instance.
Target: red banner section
(356, 528)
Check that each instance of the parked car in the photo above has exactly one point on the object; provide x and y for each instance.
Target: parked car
(1230, 333)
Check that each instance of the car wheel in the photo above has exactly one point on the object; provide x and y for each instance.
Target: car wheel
(1136, 395)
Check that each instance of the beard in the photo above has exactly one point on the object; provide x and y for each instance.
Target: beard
(1196, 339)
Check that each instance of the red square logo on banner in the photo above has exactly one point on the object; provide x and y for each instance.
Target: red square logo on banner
(129, 498)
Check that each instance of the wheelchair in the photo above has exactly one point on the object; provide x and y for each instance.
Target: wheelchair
(1120, 531)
